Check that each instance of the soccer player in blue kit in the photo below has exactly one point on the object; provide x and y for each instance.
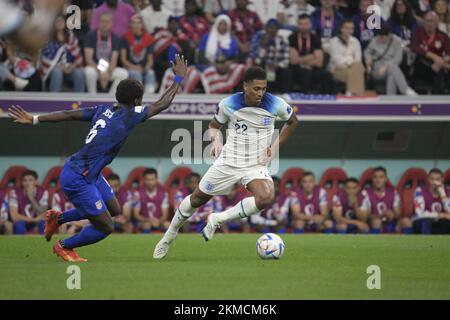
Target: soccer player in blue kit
(81, 178)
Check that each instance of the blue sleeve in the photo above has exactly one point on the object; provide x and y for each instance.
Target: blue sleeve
(140, 114)
(88, 113)
(172, 51)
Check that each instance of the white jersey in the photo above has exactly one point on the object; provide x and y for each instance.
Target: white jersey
(250, 129)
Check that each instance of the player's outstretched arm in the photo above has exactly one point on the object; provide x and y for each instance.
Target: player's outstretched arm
(21, 116)
(179, 69)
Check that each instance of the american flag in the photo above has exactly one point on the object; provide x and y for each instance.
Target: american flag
(214, 82)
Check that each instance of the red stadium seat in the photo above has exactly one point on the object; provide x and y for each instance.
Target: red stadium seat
(365, 180)
(447, 178)
(291, 178)
(51, 180)
(135, 178)
(12, 177)
(175, 181)
(332, 180)
(410, 180)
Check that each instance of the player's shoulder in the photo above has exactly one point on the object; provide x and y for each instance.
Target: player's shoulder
(233, 102)
(273, 103)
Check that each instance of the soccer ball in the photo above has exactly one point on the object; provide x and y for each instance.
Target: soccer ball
(270, 246)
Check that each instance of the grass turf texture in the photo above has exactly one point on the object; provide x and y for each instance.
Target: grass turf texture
(313, 267)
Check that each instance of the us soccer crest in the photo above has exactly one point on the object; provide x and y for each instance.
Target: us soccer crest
(98, 204)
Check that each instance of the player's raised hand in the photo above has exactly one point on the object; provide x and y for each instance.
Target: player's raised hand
(216, 148)
(180, 66)
(20, 115)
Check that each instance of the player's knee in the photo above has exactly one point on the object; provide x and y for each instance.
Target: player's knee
(264, 199)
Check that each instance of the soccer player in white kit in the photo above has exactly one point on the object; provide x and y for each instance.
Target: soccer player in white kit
(251, 116)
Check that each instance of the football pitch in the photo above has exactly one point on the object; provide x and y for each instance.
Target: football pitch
(313, 267)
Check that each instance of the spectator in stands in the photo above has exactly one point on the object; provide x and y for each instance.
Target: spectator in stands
(385, 207)
(193, 24)
(310, 207)
(403, 24)
(432, 205)
(441, 7)
(385, 7)
(155, 16)
(290, 10)
(121, 13)
(152, 204)
(122, 222)
(218, 43)
(175, 7)
(197, 221)
(326, 21)
(6, 227)
(6, 75)
(383, 57)
(61, 59)
(307, 60)
(364, 32)
(421, 8)
(245, 24)
(169, 42)
(102, 53)
(349, 206)
(266, 10)
(138, 5)
(28, 204)
(270, 50)
(136, 54)
(224, 76)
(228, 201)
(345, 59)
(275, 217)
(213, 8)
(433, 49)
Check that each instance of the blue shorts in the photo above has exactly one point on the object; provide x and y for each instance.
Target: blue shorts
(89, 198)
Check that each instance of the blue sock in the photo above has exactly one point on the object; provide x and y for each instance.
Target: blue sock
(282, 230)
(328, 231)
(41, 226)
(408, 230)
(20, 227)
(88, 235)
(71, 215)
(146, 231)
(341, 231)
(375, 231)
(299, 230)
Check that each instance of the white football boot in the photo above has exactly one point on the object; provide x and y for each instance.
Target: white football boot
(211, 226)
(163, 245)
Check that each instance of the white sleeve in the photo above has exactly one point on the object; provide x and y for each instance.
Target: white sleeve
(336, 202)
(365, 205)
(284, 111)
(419, 203)
(165, 202)
(12, 199)
(44, 200)
(221, 115)
(336, 57)
(323, 200)
(136, 200)
(56, 202)
(396, 199)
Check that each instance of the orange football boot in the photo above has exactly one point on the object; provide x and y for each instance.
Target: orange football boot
(67, 254)
(51, 223)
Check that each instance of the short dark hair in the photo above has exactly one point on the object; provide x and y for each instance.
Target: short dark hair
(380, 168)
(351, 179)
(29, 173)
(150, 171)
(436, 170)
(308, 173)
(304, 16)
(113, 176)
(194, 174)
(255, 73)
(128, 91)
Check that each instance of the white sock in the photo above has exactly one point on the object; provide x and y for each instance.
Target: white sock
(184, 212)
(243, 209)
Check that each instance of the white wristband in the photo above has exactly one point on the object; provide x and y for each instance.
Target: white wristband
(35, 120)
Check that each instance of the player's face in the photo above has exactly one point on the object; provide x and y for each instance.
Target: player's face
(254, 91)
(29, 182)
(435, 179)
(150, 181)
(115, 185)
(308, 184)
(193, 183)
(379, 179)
(351, 188)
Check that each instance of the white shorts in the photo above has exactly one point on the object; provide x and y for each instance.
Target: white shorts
(221, 178)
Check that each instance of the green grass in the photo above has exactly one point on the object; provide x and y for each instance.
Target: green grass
(313, 267)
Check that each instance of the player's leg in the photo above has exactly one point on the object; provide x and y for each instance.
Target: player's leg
(263, 196)
(375, 224)
(298, 225)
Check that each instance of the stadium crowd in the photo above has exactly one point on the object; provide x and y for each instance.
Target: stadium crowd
(317, 46)
(373, 205)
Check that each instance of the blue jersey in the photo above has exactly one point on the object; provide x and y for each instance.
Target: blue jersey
(110, 127)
